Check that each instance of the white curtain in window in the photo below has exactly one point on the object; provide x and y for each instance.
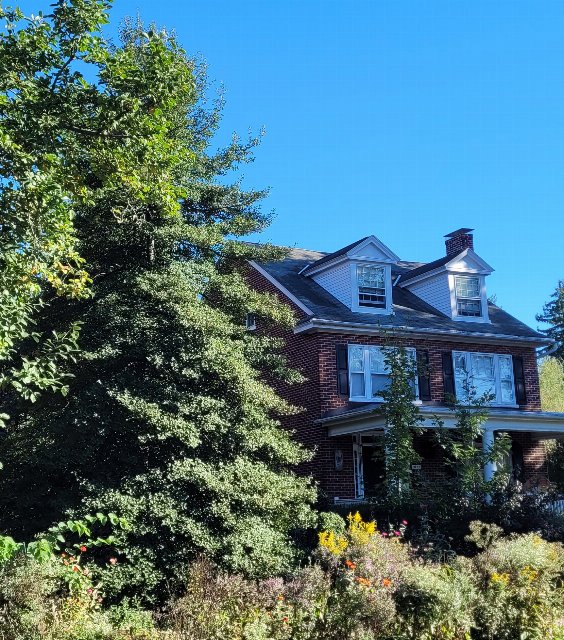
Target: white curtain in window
(370, 277)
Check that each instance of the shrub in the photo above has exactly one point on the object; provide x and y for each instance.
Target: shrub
(217, 606)
(520, 583)
(435, 602)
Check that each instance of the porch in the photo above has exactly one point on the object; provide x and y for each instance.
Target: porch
(363, 431)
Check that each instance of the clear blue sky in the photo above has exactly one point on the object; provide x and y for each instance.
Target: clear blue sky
(405, 119)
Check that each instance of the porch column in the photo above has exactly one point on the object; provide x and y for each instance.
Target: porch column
(487, 443)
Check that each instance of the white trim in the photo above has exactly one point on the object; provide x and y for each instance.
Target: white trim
(391, 258)
(366, 371)
(496, 402)
(281, 288)
(361, 328)
(535, 422)
(312, 270)
(358, 467)
(453, 300)
(354, 287)
(484, 268)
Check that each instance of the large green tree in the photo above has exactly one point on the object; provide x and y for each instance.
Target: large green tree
(551, 374)
(169, 420)
(553, 315)
(59, 129)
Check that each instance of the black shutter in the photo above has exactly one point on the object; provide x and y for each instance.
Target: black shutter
(424, 378)
(343, 369)
(519, 378)
(448, 375)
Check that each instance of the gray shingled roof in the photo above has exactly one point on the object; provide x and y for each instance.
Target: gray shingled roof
(327, 257)
(410, 312)
(424, 268)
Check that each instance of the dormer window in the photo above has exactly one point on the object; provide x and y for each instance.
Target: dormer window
(371, 281)
(468, 296)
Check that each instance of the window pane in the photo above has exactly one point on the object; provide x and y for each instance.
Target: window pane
(369, 297)
(505, 368)
(460, 366)
(469, 308)
(467, 287)
(380, 382)
(507, 391)
(377, 364)
(371, 287)
(370, 277)
(483, 374)
(482, 366)
(356, 358)
(357, 385)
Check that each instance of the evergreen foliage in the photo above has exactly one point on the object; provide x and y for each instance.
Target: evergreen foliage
(465, 455)
(553, 315)
(551, 374)
(168, 421)
(403, 421)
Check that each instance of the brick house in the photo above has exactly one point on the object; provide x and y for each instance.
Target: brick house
(351, 303)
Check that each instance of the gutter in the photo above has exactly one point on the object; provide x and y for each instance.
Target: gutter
(502, 414)
(336, 326)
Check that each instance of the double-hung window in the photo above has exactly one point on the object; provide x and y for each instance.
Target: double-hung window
(369, 374)
(371, 281)
(468, 296)
(484, 373)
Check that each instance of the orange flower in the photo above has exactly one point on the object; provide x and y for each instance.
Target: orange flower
(364, 582)
(285, 619)
(83, 548)
(75, 568)
(350, 565)
(386, 582)
(113, 561)
(280, 597)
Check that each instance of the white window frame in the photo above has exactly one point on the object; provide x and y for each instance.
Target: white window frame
(368, 374)
(497, 401)
(481, 298)
(355, 306)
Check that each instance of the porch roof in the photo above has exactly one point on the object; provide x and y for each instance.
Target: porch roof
(542, 424)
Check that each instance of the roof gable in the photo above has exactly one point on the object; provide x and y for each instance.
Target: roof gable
(368, 248)
(469, 261)
(466, 261)
(373, 249)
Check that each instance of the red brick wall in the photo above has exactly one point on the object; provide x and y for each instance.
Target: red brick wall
(457, 244)
(315, 356)
(330, 398)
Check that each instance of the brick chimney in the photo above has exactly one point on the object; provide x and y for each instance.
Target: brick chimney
(459, 240)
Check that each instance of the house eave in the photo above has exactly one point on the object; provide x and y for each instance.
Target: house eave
(320, 325)
(541, 423)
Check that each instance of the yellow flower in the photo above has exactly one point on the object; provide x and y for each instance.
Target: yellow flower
(529, 573)
(500, 578)
(334, 544)
(359, 531)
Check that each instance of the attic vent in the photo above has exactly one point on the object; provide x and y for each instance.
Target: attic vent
(459, 240)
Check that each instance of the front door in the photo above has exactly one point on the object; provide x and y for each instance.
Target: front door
(369, 464)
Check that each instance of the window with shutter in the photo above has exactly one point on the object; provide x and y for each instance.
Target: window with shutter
(369, 374)
(485, 373)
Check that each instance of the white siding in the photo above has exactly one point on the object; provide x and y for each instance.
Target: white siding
(337, 282)
(370, 251)
(435, 291)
